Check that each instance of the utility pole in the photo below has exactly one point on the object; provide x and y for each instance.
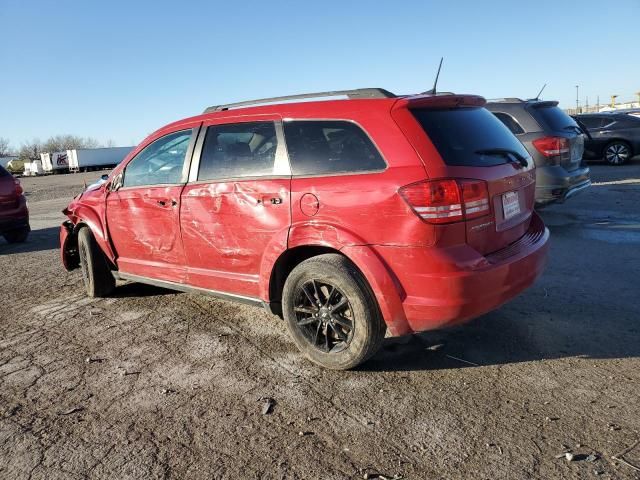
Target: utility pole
(586, 108)
(598, 103)
(613, 101)
(577, 101)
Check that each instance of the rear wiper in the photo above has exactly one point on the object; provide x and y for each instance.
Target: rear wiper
(505, 152)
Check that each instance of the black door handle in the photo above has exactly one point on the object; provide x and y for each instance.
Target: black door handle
(276, 201)
(163, 203)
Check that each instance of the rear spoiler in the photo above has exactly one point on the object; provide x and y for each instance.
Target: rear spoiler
(545, 103)
(448, 100)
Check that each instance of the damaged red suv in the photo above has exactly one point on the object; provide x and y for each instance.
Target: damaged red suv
(345, 217)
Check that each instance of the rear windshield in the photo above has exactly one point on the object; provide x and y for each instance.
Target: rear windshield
(470, 136)
(554, 118)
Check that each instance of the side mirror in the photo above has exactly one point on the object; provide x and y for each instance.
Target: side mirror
(104, 177)
(116, 183)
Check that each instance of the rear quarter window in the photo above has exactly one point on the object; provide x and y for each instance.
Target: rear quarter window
(509, 122)
(469, 136)
(318, 147)
(3, 172)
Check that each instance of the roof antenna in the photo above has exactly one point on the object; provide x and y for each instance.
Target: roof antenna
(540, 92)
(435, 83)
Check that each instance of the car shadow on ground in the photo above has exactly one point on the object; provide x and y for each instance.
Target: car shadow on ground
(38, 240)
(132, 289)
(501, 338)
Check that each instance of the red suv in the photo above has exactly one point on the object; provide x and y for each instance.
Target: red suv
(345, 217)
(14, 215)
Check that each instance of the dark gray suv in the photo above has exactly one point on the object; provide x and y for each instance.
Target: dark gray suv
(555, 142)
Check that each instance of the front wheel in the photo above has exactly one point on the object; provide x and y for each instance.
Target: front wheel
(96, 273)
(17, 236)
(331, 312)
(617, 152)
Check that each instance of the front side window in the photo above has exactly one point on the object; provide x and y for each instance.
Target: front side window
(328, 147)
(238, 150)
(161, 162)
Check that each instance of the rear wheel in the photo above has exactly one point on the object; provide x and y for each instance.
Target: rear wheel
(17, 236)
(96, 274)
(331, 312)
(617, 152)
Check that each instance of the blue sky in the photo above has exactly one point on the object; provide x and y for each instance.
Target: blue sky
(120, 69)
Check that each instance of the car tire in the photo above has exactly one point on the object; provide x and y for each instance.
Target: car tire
(331, 312)
(617, 152)
(96, 273)
(17, 236)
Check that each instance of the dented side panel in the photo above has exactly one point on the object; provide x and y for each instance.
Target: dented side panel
(229, 227)
(144, 228)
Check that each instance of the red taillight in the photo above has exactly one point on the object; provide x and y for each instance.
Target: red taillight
(475, 198)
(447, 200)
(552, 146)
(19, 189)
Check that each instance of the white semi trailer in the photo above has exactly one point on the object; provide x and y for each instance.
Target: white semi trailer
(56, 162)
(96, 158)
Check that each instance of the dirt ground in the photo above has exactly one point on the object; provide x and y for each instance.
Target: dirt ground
(156, 384)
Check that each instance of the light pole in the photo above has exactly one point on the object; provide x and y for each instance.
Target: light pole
(577, 101)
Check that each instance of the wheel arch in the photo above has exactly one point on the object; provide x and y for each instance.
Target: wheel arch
(87, 217)
(383, 284)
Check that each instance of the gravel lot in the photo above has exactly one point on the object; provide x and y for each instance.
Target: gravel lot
(156, 384)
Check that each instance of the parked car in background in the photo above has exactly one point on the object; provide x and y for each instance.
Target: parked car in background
(555, 142)
(345, 217)
(14, 215)
(615, 137)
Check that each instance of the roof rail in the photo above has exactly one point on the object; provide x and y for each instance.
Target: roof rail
(352, 94)
(507, 100)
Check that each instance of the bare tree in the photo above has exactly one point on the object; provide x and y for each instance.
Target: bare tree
(68, 142)
(30, 151)
(5, 150)
(110, 143)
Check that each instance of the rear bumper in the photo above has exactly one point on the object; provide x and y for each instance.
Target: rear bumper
(555, 184)
(453, 286)
(15, 218)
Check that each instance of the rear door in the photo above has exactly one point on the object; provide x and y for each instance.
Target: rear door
(236, 208)
(143, 209)
(475, 145)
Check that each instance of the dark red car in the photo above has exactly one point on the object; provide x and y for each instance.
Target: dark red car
(14, 214)
(345, 217)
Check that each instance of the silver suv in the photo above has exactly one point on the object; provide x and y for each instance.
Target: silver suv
(553, 139)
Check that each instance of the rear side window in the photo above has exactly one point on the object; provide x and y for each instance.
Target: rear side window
(330, 147)
(591, 122)
(554, 118)
(509, 122)
(238, 150)
(3, 172)
(469, 136)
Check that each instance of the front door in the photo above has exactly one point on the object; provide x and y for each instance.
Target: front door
(143, 209)
(236, 207)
